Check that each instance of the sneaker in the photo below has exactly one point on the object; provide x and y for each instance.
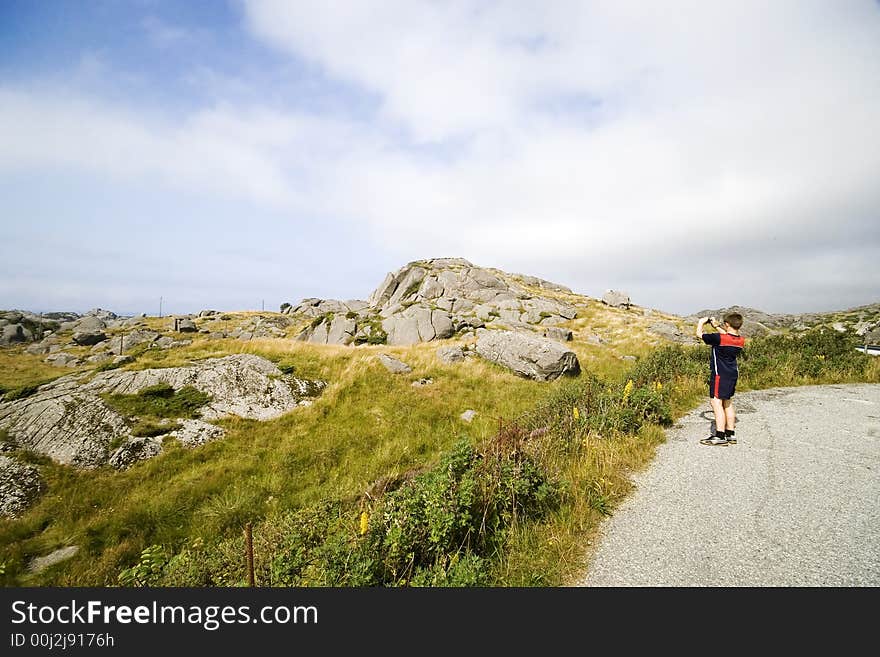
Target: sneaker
(714, 440)
(731, 440)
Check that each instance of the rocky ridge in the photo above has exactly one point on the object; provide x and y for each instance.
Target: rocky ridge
(433, 300)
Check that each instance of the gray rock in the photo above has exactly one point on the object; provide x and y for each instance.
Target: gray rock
(633, 358)
(210, 313)
(12, 333)
(393, 365)
(88, 338)
(194, 433)
(38, 349)
(401, 330)
(39, 564)
(452, 354)
(62, 359)
(132, 339)
(89, 323)
(68, 420)
(187, 326)
(526, 354)
(98, 359)
(468, 415)
(123, 360)
(164, 342)
(670, 331)
(616, 299)
(555, 333)
(431, 288)
(19, 486)
(102, 314)
(134, 450)
(541, 283)
(342, 330)
(286, 308)
(422, 382)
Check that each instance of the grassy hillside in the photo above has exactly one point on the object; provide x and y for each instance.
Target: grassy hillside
(381, 482)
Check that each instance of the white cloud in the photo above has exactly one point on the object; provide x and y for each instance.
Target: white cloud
(570, 133)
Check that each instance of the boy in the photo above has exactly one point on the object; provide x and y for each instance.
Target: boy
(727, 345)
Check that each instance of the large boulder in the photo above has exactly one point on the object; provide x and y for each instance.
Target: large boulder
(89, 338)
(616, 299)
(12, 333)
(526, 354)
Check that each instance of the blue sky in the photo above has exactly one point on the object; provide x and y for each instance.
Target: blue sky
(228, 154)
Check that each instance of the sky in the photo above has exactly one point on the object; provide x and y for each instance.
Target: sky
(241, 154)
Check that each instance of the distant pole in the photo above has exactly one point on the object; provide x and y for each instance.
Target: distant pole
(262, 304)
(160, 307)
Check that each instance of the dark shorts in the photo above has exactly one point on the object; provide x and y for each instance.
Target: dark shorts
(722, 387)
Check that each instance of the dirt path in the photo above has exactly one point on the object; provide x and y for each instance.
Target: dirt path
(795, 503)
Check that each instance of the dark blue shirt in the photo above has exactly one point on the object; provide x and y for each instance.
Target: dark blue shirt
(726, 348)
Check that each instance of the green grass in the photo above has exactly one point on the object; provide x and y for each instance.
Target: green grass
(368, 426)
(159, 401)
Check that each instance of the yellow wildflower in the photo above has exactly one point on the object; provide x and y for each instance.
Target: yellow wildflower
(576, 413)
(365, 522)
(627, 389)
(658, 386)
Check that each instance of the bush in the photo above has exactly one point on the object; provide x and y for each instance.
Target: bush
(815, 354)
(438, 529)
(460, 507)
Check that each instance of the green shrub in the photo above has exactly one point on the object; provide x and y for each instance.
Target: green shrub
(462, 506)
(815, 354)
(437, 529)
(148, 569)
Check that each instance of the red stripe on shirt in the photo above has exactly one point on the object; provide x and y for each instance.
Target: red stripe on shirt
(728, 340)
(717, 384)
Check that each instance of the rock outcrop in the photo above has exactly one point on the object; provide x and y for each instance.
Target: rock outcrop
(19, 485)
(616, 299)
(527, 355)
(69, 421)
(433, 300)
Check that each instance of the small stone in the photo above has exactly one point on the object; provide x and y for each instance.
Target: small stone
(422, 382)
(468, 415)
(39, 564)
(393, 365)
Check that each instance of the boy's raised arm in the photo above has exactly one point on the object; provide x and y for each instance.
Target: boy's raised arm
(700, 323)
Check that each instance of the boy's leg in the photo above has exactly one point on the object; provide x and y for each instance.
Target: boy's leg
(719, 411)
(729, 415)
(718, 438)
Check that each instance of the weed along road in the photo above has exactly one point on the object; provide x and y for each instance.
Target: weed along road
(793, 503)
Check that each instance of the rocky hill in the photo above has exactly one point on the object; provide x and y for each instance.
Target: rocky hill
(436, 299)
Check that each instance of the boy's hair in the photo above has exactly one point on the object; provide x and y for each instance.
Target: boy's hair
(735, 320)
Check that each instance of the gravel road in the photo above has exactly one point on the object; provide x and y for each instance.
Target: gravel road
(796, 502)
